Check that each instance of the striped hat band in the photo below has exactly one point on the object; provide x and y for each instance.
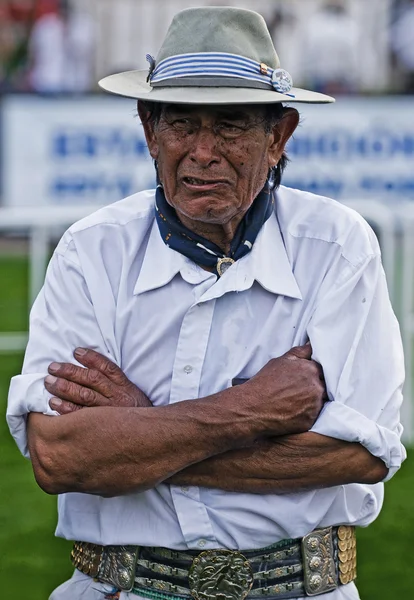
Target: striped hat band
(218, 64)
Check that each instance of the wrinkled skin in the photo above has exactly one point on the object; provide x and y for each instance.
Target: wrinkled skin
(228, 148)
(291, 387)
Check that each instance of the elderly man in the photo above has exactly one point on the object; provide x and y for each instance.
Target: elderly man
(173, 480)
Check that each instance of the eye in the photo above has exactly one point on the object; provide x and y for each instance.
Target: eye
(183, 124)
(228, 129)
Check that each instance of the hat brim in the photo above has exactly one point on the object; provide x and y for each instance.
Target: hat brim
(133, 84)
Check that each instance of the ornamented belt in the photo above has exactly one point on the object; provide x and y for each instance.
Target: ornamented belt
(312, 565)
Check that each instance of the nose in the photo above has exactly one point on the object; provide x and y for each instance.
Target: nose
(204, 150)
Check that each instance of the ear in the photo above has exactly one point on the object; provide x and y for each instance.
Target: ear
(150, 134)
(281, 133)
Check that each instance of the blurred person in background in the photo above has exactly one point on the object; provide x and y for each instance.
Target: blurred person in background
(284, 25)
(47, 48)
(81, 37)
(5, 42)
(402, 44)
(330, 50)
(16, 20)
(62, 46)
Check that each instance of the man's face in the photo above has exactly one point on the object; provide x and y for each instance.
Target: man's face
(213, 161)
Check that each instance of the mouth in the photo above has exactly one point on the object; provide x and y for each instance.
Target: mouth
(202, 184)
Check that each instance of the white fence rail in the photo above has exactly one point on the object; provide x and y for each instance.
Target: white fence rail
(40, 225)
(394, 226)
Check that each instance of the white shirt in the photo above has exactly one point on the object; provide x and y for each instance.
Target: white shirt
(179, 333)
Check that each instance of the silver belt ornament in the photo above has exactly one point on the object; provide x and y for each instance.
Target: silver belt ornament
(108, 564)
(220, 575)
(227, 574)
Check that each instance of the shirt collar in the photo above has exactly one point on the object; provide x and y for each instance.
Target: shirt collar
(161, 264)
(267, 263)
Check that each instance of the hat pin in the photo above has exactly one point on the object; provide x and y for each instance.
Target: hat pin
(282, 81)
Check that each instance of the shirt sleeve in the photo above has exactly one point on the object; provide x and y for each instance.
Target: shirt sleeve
(356, 338)
(62, 318)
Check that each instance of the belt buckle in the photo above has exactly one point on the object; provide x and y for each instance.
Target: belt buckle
(118, 566)
(319, 571)
(218, 574)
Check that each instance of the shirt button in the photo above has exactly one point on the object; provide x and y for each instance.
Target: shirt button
(201, 543)
(188, 369)
(185, 489)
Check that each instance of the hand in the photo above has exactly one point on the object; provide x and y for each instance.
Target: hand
(288, 392)
(102, 383)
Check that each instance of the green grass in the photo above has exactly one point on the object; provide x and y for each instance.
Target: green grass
(13, 294)
(33, 561)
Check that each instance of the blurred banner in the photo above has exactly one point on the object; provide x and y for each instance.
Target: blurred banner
(357, 148)
(91, 150)
(86, 150)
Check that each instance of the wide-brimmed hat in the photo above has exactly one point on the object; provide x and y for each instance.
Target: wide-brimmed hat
(213, 55)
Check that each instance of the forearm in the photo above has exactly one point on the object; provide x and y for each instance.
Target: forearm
(110, 451)
(284, 465)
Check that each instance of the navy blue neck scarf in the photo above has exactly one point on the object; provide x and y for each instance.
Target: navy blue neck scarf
(203, 252)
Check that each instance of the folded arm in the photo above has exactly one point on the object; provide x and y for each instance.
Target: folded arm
(116, 450)
(113, 451)
(285, 465)
(119, 445)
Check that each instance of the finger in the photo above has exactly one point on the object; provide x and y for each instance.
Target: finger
(304, 351)
(90, 378)
(321, 377)
(68, 390)
(325, 395)
(93, 360)
(321, 373)
(316, 372)
(63, 407)
(318, 368)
